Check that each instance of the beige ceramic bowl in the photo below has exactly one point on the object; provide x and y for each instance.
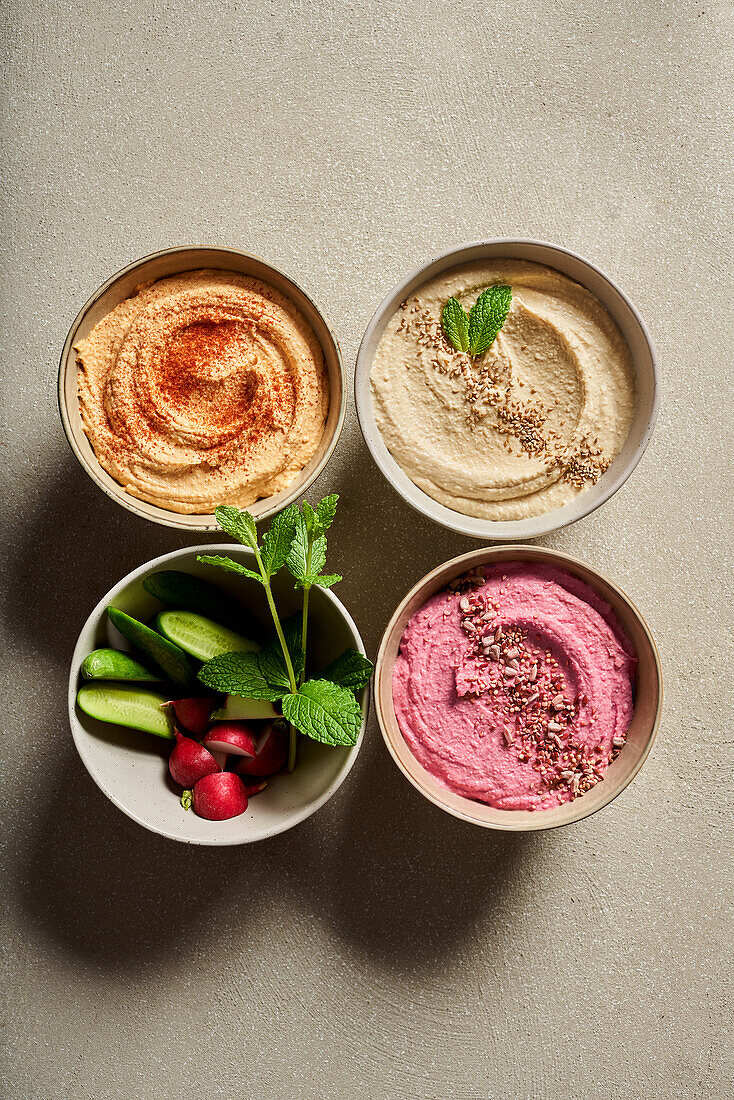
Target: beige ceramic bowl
(159, 265)
(645, 718)
(131, 767)
(628, 321)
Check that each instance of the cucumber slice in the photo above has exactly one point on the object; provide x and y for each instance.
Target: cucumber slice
(110, 664)
(199, 636)
(137, 708)
(188, 593)
(172, 661)
(238, 709)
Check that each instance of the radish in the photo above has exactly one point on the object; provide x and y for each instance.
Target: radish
(220, 796)
(190, 761)
(272, 750)
(193, 714)
(235, 737)
(254, 788)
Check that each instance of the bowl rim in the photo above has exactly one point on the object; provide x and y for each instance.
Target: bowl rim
(166, 517)
(497, 530)
(458, 565)
(79, 734)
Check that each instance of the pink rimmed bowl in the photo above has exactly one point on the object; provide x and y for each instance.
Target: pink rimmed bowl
(648, 688)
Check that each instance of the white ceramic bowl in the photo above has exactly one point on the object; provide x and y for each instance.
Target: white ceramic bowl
(630, 325)
(645, 716)
(130, 767)
(159, 265)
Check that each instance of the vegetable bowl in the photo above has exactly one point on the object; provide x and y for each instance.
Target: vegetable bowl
(131, 766)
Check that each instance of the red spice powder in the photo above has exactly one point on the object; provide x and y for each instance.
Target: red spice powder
(205, 371)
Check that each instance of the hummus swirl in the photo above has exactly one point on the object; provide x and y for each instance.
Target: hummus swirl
(527, 721)
(202, 389)
(522, 429)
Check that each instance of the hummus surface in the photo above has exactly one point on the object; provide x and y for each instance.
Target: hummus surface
(522, 429)
(514, 686)
(202, 389)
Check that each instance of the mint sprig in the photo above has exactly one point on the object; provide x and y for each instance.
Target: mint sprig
(324, 709)
(455, 324)
(241, 674)
(351, 670)
(270, 657)
(476, 331)
(325, 712)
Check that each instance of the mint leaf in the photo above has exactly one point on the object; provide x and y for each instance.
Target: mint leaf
(350, 670)
(324, 712)
(277, 542)
(488, 315)
(298, 553)
(240, 525)
(297, 560)
(455, 324)
(325, 512)
(229, 565)
(309, 517)
(270, 657)
(327, 581)
(238, 674)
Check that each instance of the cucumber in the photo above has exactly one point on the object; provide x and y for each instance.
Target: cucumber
(188, 593)
(172, 661)
(135, 707)
(199, 636)
(235, 709)
(110, 664)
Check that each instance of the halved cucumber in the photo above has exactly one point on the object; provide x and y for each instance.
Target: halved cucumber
(201, 637)
(111, 664)
(137, 708)
(237, 709)
(172, 661)
(188, 593)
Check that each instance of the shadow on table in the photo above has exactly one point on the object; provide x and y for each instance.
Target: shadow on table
(392, 876)
(399, 880)
(395, 878)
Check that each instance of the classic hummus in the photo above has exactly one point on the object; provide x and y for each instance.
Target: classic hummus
(514, 686)
(201, 389)
(522, 429)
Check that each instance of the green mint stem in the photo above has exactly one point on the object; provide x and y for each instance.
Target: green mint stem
(306, 593)
(293, 743)
(286, 656)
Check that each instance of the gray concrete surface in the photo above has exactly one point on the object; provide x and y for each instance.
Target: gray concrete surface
(382, 949)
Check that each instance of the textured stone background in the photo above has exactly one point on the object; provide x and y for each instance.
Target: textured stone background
(382, 949)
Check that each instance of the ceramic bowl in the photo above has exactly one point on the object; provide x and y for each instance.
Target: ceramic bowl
(641, 734)
(130, 767)
(630, 325)
(159, 265)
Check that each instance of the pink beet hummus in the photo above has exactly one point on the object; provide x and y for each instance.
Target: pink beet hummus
(514, 686)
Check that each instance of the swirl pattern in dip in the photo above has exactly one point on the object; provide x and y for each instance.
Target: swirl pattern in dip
(514, 686)
(202, 389)
(522, 429)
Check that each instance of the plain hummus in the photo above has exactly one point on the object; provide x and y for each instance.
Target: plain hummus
(522, 429)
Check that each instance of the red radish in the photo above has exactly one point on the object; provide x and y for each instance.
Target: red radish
(235, 737)
(193, 714)
(254, 788)
(220, 757)
(220, 796)
(272, 750)
(189, 761)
